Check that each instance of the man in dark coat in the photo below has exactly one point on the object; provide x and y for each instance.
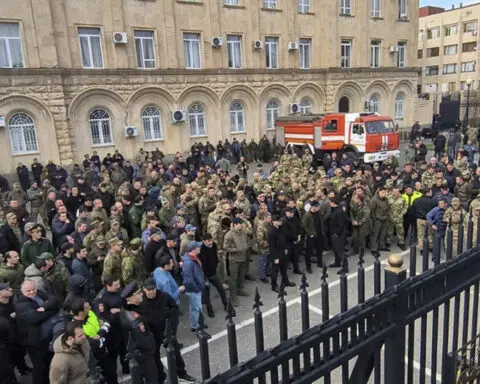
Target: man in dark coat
(337, 228)
(278, 253)
(34, 311)
(23, 178)
(37, 169)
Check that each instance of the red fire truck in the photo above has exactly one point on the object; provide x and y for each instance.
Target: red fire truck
(371, 136)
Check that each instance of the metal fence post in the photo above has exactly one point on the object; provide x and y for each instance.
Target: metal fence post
(259, 337)
(470, 231)
(203, 338)
(449, 245)
(460, 236)
(361, 277)
(394, 369)
(325, 302)
(171, 360)
(231, 334)
(304, 303)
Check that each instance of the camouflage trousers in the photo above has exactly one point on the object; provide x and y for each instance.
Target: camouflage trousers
(423, 226)
(222, 267)
(398, 229)
(35, 211)
(454, 241)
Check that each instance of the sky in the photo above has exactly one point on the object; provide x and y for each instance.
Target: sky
(447, 3)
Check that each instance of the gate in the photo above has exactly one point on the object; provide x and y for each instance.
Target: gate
(377, 338)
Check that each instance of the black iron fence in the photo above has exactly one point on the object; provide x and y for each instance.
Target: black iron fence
(421, 328)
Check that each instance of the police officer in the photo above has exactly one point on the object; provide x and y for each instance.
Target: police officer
(158, 308)
(107, 306)
(141, 342)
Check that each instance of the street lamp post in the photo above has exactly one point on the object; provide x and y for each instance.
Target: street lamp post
(465, 120)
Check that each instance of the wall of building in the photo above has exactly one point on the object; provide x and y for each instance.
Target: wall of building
(59, 94)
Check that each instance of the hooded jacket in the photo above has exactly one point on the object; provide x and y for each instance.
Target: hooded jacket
(70, 363)
(34, 274)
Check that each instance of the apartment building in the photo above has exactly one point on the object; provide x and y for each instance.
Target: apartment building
(447, 49)
(84, 75)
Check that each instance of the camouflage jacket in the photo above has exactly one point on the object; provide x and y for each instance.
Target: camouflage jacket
(58, 279)
(112, 266)
(132, 267)
(398, 208)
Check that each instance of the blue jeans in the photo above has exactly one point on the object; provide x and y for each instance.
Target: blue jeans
(195, 300)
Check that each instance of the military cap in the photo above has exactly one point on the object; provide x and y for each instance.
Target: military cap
(455, 200)
(51, 189)
(445, 185)
(28, 226)
(36, 227)
(100, 239)
(149, 284)
(135, 243)
(114, 241)
(237, 220)
(4, 286)
(45, 256)
(193, 244)
(95, 222)
(465, 174)
(190, 228)
(129, 290)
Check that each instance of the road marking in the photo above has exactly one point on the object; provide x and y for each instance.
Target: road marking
(270, 312)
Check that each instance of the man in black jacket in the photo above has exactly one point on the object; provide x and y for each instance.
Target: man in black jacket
(34, 310)
(160, 311)
(209, 258)
(338, 223)
(107, 306)
(292, 229)
(439, 144)
(151, 249)
(421, 207)
(278, 253)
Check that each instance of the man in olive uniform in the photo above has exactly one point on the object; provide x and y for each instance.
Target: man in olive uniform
(57, 276)
(96, 229)
(463, 189)
(428, 177)
(398, 208)
(235, 244)
(95, 260)
(112, 266)
(132, 263)
(454, 215)
(307, 158)
(360, 218)
(206, 204)
(380, 214)
(140, 340)
(338, 180)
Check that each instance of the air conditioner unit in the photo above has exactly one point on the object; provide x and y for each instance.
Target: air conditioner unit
(131, 131)
(474, 33)
(293, 46)
(258, 44)
(294, 108)
(393, 49)
(179, 116)
(403, 17)
(217, 42)
(119, 37)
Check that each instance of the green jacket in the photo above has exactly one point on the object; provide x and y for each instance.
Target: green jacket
(12, 276)
(32, 249)
(58, 277)
(135, 216)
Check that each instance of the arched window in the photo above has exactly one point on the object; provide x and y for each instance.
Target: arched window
(23, 138)
(400, 105)
(374, 103)
(237, 117)
(100, 127)
(306, 106)
(273, 110)
(152, 124)
(198, 122)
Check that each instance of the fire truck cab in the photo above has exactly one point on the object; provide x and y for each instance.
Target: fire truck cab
(369, 136)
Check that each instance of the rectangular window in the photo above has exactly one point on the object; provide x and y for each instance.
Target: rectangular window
(401, 55)
(375, 53)
(451, 30)
(305, 53)
(470, 26)
(331, 126)
(468, 66)
(234, 45)
(402, 9)
(271, 52)
(420, 35)
(91, 47)
(272, 4)
(145, 46)
(303, 6)
(450, 49)
(345, 7)
(433, 33)
(469, 47)
(431, 70)
(375, 8)
(191, 48)
(11, 53)
(433, 52)
(420, 54)
(346, 54)
(449, 68)
(232, 2)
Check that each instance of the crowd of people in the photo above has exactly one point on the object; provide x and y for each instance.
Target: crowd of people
(96, 261)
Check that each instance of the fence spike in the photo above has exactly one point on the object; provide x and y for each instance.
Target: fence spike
(470, 231)
(258, 303)
(361, 277)
(304, 283)
(361, 257)
(231, 313)
(324, 272)
(449, 247)
(325, 296)
(376, 273)
(281, 292)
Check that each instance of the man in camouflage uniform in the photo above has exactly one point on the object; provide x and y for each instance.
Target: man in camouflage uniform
(360, 218)
(263, 249)
(463, 189)
(472, 134)
(112, 266)
(95, 258)
(35, 196)
(475, 219)
(132, 263)
(242, 204)
(57, 276)
(190, 201)
(398, 208)
(428, 178)
(338, 180)
(206, 205)
(475, 203)
(307, 158)
(96, 229)
(454, 215)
